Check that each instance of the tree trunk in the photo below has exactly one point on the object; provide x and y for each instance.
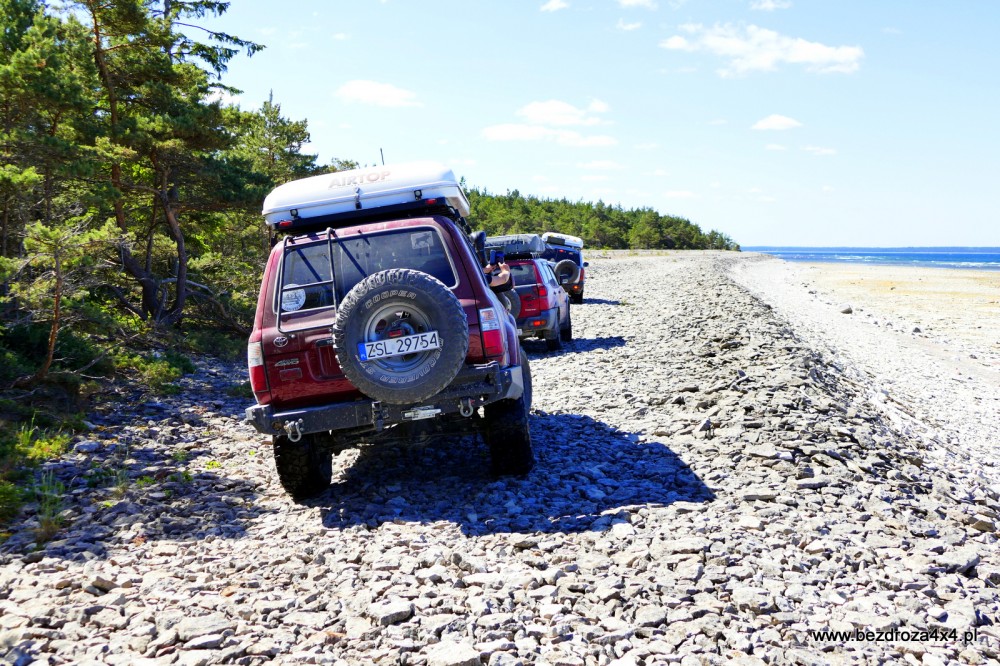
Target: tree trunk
(150, 305)
(50, 351)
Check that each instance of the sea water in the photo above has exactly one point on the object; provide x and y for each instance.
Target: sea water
(977, 258)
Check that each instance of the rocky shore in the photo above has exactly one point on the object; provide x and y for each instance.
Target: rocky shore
(711, 488)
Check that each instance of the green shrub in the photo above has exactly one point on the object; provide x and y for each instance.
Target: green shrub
(10, 501)
(225, 346)
(157, 371)
(50, 495)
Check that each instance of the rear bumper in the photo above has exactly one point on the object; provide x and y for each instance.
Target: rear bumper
(546, 320)
(574, 288)
(474, 386)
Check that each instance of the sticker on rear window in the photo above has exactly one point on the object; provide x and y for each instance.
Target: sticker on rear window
(422, 240)
(292, 299)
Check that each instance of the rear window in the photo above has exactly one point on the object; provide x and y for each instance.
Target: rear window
(523, 274)
(558, 254)
(317, 276)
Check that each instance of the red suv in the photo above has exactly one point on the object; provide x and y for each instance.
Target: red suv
(373, 313)
(545, 310)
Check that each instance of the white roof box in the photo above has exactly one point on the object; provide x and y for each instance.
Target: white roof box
(562, 239)
(362, 189)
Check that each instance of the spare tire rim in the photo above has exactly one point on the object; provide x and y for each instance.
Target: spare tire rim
(395, 321)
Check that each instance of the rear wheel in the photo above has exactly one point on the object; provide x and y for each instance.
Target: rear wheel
(506, 433)
(553, 339)
(576, 298)
(566, 333)
(305, 467)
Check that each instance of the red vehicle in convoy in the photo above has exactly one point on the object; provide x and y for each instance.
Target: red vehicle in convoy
(544, 304)
(374, 313)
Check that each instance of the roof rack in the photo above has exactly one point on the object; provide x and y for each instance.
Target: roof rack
(296, 224)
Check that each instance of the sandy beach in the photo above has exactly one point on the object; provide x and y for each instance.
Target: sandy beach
(926, 341)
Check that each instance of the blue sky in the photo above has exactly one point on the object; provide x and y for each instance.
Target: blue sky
(778, 122)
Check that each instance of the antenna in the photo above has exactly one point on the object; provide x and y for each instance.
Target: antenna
(383, 156)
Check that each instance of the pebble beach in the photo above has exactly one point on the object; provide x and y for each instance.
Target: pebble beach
(736, 456)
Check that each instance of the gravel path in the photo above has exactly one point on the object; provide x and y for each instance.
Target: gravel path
(709, 489)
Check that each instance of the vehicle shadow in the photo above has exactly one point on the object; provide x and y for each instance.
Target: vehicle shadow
(598, 301)
(586, 474)
(537, 347)
(132, 485)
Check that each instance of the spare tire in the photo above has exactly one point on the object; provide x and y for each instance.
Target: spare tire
(567, 269)
(396, 305)
(512, 301)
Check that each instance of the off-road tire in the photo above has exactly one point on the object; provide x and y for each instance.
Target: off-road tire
(553, 339)
(567, 268)
(506, 433)
(413, 302)
(513, 302)
(576, 298)
(305, 467)
(566, 332)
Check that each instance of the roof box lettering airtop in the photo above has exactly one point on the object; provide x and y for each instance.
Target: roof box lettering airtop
(323, 200)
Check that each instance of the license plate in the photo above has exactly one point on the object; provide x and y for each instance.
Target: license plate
(408, 344)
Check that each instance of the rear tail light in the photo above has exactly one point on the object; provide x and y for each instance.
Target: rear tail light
(492, 332)
(255, 364)
(542, 292)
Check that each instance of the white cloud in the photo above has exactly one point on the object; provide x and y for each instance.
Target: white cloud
(754, 190)
(341, 36)
(660, 173)
(679, 194)
(554, 112)
(776, 122)
(603, 165)
(677, 43)
(377, 94)
(892, 31)
(648, 4)
(628, 27)
(817, 150)
(769, 5)
(766, 199)
(827, 188)
(593, 178)
(775, 146)
(521, 132)
(751, 48)
(547, 121)
(223, 97)
(597, 106)
(554, 6)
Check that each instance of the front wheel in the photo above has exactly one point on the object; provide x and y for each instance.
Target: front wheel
(506, 432)
(305, 467)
